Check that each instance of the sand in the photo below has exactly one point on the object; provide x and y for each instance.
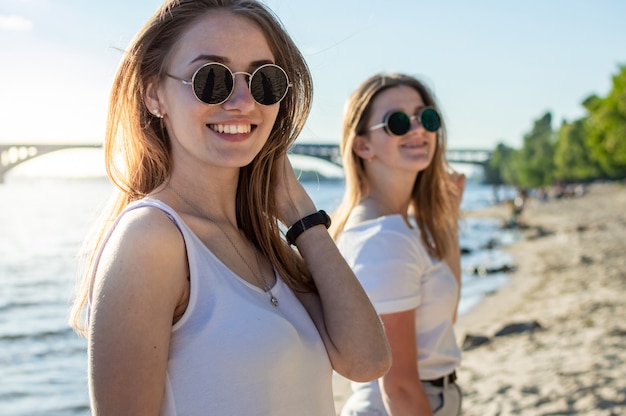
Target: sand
(568, 295)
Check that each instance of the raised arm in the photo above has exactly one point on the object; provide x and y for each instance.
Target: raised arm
(347, 322)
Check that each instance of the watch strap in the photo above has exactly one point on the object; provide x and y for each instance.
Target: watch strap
(318, 218)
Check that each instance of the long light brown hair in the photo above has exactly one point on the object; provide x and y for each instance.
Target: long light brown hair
(431, 201)
(137, 147)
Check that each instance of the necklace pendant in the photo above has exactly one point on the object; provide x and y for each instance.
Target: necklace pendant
(273, 300)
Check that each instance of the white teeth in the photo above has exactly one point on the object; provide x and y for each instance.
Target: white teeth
(417, 147)
(231, 128)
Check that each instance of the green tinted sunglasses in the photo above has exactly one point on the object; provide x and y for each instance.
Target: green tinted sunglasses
(398, 123)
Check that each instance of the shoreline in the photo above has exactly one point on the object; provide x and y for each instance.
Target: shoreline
(566, 350)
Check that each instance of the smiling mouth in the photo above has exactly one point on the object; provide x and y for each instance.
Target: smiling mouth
(413, 145)
(231, 128)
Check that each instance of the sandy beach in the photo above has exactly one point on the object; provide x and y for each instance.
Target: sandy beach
(561, 320)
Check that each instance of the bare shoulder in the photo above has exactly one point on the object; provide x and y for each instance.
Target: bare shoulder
(145, 251)
(147, 230)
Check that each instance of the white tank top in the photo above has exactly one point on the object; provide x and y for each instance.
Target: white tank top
(233, 353)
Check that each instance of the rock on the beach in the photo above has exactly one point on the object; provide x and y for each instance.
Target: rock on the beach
(518, 328)
(473, 341)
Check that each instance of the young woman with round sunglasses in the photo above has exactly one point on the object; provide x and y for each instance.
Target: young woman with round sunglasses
(195, 303)
(397, 228)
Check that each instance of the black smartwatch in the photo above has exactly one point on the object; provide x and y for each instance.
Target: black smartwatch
(303, 224)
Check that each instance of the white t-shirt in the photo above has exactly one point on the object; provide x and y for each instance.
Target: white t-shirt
(398, 274)
(233, 352)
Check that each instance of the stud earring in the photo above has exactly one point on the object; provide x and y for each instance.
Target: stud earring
(157, 113)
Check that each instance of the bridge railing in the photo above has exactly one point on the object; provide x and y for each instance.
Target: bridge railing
(331, 153)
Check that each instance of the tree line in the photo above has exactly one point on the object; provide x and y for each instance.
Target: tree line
(581, 151)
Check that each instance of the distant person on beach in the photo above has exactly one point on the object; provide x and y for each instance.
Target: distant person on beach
(398, 228)
(516, 209)
(195, 303)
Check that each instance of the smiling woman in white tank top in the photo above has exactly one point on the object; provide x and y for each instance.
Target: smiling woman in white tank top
(196, 301)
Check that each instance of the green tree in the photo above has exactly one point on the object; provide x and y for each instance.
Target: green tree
(606, 127)
(572, 159)
(535, 161)
(494, 167)
(511, 169)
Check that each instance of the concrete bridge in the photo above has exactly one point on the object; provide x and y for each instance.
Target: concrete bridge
(12, 155)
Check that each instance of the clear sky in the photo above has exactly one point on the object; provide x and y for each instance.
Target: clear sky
(494, 66)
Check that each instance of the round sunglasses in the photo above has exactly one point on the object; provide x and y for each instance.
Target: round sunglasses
(213, 83)
(398, 123)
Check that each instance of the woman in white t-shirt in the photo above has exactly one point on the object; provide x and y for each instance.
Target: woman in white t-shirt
(397, 227)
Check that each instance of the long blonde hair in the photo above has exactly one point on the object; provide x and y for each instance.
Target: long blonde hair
(431, 201)
(137, 147)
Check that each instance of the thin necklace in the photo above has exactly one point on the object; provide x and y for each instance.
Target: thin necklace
(261, 279)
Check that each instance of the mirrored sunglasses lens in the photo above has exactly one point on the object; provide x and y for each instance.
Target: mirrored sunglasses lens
(213, 84)
(269, 85)
(429, 118)
(398, 123)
